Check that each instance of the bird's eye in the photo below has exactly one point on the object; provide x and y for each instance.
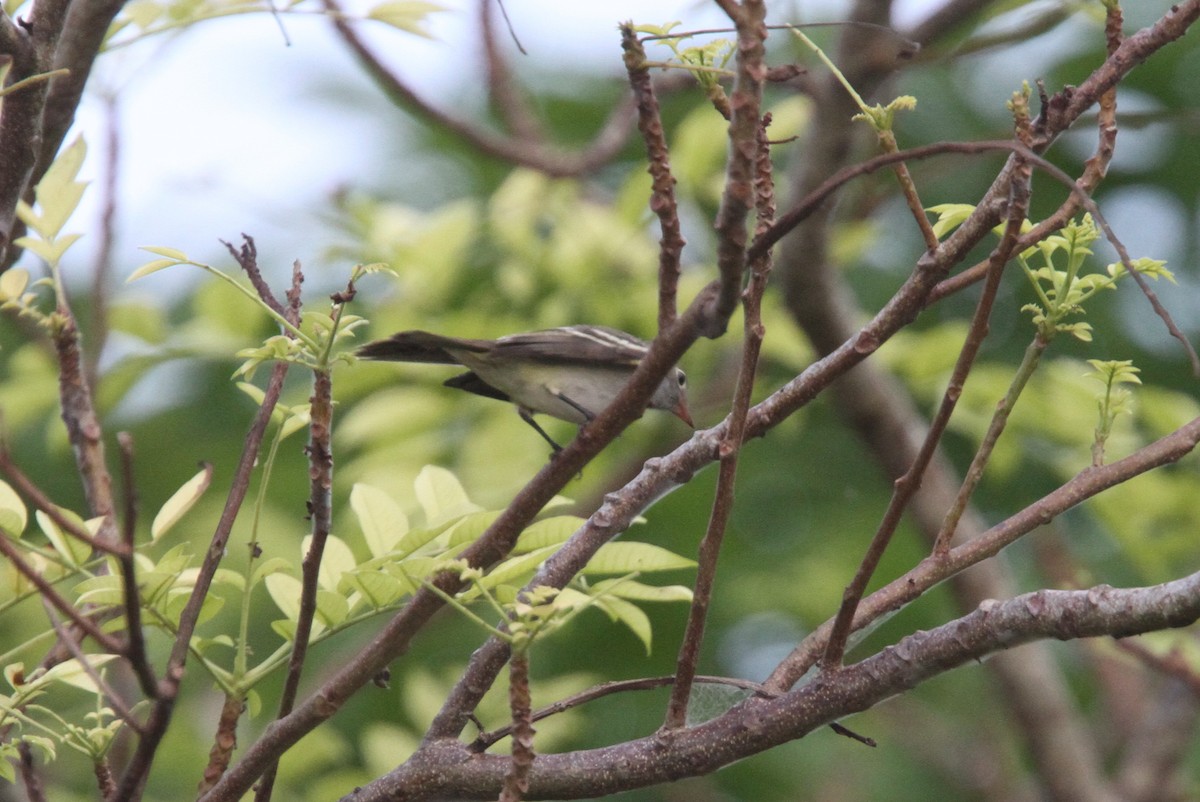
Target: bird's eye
(682, 379)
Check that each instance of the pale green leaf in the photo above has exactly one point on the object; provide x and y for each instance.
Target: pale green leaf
(180, 502)
(274, 565)
(441, 495)
(514, 568)
(12, 283)
(285, 592)
(299, 419)
(58, 192)
(150, 267)
(630, 557)
(336, 560)
(468, 528)
(378, 588)
(548, 532)
(332, 608)
(49, 252)
(73, 673)
(406, 16)
(72, 550)
(382, 521)
(169, 253)
(638, 591)
(13, 515)
(630, 615)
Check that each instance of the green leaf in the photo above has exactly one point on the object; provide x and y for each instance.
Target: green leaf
(441, 495)
(12, 283)
(72, 550)
(382, 521)
(405, 16)
(13, 515)
(151, 267)
(73, 673)
(949, 217)
(180, 502)
(169, 253)
(332, 608)
(336, 560)
(285, 592)
(630, 615)
(638, 591)
(514, 568)
(468, 528)
(274, 565)
(548, 532)
(49, 251)
(58, 192)
(630, 557)
(102, 591)
(378, 588)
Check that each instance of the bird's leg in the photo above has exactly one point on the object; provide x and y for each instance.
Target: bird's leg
(587, 416)
(527, 416)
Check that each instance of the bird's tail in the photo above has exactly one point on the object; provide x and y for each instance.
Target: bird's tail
(421, 346)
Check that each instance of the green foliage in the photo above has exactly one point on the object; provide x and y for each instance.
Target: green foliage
(705, 61)
(311, 345)
(57, 196)
(144, 18)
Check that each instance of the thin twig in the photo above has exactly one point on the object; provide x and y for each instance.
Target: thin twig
(551, 160)
(730, 447)
(48, 593)
(112, 698)
(135, 649)
(40, 500)
(906, 486)
(662, 193)
(134, 776)
(738, 195)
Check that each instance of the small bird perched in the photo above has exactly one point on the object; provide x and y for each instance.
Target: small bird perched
(570, 373)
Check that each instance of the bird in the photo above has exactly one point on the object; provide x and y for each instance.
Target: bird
(571, 373)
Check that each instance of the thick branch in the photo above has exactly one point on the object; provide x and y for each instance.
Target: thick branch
(758, 724)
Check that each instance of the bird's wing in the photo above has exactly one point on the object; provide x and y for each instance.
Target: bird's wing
(575, 345)
(421, 346)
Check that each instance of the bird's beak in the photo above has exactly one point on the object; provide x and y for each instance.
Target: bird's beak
(681, 412)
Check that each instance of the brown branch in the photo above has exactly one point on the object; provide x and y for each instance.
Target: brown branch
(906, 486)
(247, 259)
(136, 772)
(516, 779)
(320, 510)
(737, 199)
(486, 739)
(83, 424)
(490, 547)
(63, 36)
(550, 160)
(224, 743)
(729, 448)
(758, 724)
(506, 98)
(662, 194)
(53, 597)
(123, 710)
(937, 568)
(135, 647)
(40, 500)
